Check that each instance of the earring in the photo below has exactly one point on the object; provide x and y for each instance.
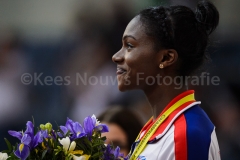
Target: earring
(161, 66)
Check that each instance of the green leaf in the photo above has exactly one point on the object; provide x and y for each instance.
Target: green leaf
(12, 157)
(49, 142)
(8, 144)
(33, 120)
(104, 138)
(81, 146)
(44, 153)
(96, 155)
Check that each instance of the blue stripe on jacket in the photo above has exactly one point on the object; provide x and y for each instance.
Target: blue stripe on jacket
(199, 130)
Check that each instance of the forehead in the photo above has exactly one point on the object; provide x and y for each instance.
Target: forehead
(134, 28)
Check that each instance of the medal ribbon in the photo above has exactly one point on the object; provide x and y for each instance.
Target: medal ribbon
(143, 143)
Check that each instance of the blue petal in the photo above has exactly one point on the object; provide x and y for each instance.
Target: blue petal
(88, 125)
(102, 128)
(116, 152)
(127, 157)
(78, 131)
(60, 134)
(44, 133)
(26, 139)
(54, 134)
(80, 135)
(121, 155)
(22, 154)
(77, 127)
(94, 120)
(29, 129)
(105, 128)
(37, 139)
(64, 129)
(107, 152)
(69, 125)
(15, 134)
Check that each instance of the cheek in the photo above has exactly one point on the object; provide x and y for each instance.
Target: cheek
(135, 61)
(141, 62)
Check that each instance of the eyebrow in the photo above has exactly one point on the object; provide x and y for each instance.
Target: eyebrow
(126, 36)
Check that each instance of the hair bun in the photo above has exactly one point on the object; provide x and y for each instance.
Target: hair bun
(207, 16)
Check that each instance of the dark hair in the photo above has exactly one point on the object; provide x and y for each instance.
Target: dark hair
(126, 119)
(179, 28)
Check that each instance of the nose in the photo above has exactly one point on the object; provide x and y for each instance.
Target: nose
(118, 57)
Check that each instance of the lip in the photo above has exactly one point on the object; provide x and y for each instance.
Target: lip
(120, 70)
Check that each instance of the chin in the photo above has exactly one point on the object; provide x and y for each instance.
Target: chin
(124, 87)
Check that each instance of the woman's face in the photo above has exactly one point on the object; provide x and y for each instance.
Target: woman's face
(136, 60)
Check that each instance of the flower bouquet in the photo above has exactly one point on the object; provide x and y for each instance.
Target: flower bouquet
(70, 142)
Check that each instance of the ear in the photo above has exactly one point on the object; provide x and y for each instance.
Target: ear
(168, 57)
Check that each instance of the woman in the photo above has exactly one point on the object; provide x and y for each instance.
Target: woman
(124, 125)
(162, 44)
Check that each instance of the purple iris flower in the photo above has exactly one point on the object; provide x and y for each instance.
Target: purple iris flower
(127, 157)
(76, 130)
(44, 134)
(28, 140)
(23, 148)
(107, 153)
(88, 125)
(54, 135)
(111, 154)
(68, 127)
(117, 153)
(91, 123)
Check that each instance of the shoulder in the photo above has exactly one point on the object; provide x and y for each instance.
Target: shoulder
(194, 130)
(194, 122)
(198, 123)
(195, 126)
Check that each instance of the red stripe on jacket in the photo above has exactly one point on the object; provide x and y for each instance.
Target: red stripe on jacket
(180, 138)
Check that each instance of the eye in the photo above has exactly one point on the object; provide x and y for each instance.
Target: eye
(129, 46)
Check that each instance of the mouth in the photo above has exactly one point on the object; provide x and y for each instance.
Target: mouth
(120, 71)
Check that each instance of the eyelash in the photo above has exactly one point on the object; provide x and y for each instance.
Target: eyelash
(129, 45)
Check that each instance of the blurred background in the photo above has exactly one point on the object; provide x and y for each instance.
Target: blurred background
(70, 43)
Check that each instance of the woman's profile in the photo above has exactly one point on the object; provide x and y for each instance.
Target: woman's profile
(160, 44)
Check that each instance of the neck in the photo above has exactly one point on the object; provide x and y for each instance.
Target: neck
(160, 96)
